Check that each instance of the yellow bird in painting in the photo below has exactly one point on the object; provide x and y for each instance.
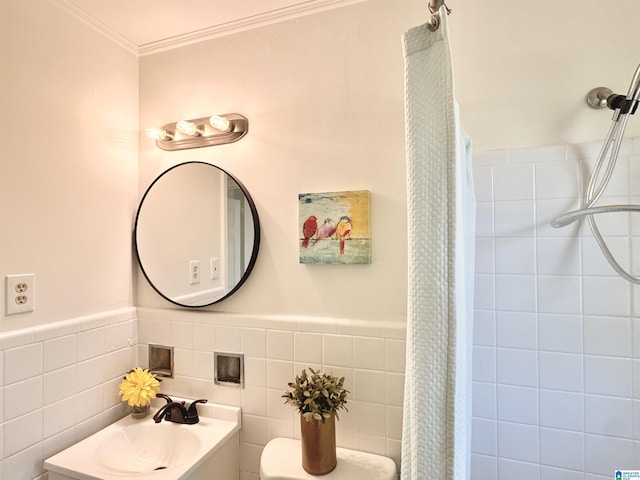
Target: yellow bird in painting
(343, 231)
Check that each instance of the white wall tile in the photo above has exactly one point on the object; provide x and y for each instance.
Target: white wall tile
(396, 354)
(280, 344)
(559, 294)
(58, 417)
(182, 334)
(59, 384)
(517, 367)
(563, 449)
(22, 432)
(395, 389)
(561, 371)
(552, 473)
(254, 400)
(515, 256)
(255, 372)
(484, 220)
(59, 352)
(558, 256)
(119, 335)
(337, 350)
(557, 180)
(484, 400)
(228, 339)
(560, 333)
(484, 292)
(369, 353)
(363, 413)
(517, 330)
(514, 218)
(90, 373)
(369, 386)
(485, 256)
(484, 436)
(518, 442)
(25, 464)
(547, 210)
(607, 336)
(254, 342)
(595, 263)
(606, 454)
(483, 183)
(394, 423)
(484, 364)
(562, 410)
(90, 344)
(279, 373)
(515, 469)
(307, 347)
(606, 296)
(22, 363)
(607, 376)
(204, 337)
(516, 293)
(22, 397)
(518, 404)
(513, 182)
(89, 403)
(484, 467)
(608, 416)
(484, 328)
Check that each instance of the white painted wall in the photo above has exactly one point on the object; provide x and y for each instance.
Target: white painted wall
(68, 163)
(324, 98)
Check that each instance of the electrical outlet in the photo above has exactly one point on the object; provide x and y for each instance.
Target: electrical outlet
(194, 272)
(19, 293)
(215, 268)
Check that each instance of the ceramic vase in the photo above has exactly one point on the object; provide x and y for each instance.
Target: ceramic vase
(140, 411)
(318, 445)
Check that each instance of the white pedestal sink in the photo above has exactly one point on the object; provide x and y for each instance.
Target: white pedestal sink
(142, 449)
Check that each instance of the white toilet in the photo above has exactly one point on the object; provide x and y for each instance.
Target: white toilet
(282, 460)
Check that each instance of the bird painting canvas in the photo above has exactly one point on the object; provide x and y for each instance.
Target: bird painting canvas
(334, 227)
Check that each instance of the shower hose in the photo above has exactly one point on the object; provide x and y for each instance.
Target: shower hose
(596, 186)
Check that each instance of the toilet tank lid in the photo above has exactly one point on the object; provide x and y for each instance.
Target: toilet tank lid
(282, 460)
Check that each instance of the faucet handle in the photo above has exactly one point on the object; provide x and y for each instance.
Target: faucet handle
(166, 397)
(167, 414)
(192, 413)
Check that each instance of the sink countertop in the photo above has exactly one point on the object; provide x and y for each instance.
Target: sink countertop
(90, 459)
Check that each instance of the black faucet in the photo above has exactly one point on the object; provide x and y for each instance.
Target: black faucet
(176, 412)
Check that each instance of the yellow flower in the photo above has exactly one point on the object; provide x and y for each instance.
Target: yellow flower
(139, 387)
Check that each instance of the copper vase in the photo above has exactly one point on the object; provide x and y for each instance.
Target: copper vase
(318, 445)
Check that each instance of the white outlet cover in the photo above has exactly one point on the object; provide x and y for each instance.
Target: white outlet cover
(19, 293)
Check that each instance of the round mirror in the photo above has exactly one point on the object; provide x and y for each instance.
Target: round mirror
(196, 234)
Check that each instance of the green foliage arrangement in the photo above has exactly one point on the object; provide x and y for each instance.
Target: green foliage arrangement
(317, 396)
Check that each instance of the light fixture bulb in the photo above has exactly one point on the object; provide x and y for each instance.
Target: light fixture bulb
(158, 134)
(188, 128)
(220, 123)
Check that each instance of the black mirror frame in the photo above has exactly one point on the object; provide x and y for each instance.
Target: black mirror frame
(256, 236)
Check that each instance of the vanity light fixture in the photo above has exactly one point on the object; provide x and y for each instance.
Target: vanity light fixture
(200, 132)
(159, 134)
(189, 128)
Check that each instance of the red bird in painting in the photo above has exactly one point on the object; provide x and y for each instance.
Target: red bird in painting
(327, 229)
(308, 230)
(343, 230)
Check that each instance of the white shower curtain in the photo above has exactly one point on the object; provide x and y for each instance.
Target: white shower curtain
(436, 434)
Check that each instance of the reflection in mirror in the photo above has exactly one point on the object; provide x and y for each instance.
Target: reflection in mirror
(197, 234)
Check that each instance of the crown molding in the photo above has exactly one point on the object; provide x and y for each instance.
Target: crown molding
(96, 25)
(243, 24)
